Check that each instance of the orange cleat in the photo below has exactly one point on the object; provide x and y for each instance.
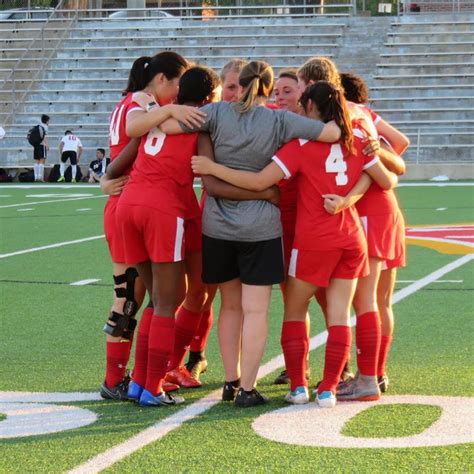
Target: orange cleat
(169, 387)
(182, 377)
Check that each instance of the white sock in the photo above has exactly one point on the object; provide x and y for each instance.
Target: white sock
(41, 171)
(36, 170)
(62, 169)
(74, 171)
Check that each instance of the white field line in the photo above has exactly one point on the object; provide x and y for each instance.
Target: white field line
(51, 246)
(84, 282)
(25, 209)
(38, 187)
(436, 239)
(159, 430)
(51, 201)
(433, 185)
(437, 281)
(440, 228)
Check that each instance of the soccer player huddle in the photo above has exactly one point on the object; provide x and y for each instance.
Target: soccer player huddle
(298, 194)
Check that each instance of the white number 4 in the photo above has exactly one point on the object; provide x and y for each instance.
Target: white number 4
(335, 164)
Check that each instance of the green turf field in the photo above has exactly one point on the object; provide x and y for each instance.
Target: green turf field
(53, 342)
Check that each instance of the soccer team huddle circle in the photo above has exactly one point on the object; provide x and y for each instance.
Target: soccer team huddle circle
(297, 194)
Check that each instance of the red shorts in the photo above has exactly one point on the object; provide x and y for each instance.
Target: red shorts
(318, 267)
(112, 232)
(288, 222)
(150, 235)
(193, 235)
(385, 235)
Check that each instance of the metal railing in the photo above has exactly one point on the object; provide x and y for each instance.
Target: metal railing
(17, 98)
(416, 7)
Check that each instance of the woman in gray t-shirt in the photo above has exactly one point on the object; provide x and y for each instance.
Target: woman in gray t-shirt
(242, 246)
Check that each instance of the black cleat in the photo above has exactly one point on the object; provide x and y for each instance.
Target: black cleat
(119, 392)
(196, 367)
(283, 378)
(383, 383)
(229, 391)
(249, 399)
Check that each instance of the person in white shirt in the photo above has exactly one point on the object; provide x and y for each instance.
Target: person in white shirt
(70, 148)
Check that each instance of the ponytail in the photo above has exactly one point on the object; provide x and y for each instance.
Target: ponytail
(145, 68)
(331, 105)
(257, 80)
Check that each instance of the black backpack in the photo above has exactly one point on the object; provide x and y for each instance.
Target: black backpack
(35, 135)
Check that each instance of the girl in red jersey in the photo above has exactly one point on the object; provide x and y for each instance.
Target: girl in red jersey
(356, 91)
(329, 251)
(152, 212)
(386, 234)
(129, 291)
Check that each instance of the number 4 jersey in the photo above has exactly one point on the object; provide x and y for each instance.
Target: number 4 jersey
(324, 168)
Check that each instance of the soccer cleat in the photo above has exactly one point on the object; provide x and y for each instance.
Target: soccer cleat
(61, 179)
(134, 391)
(361, 389)
(283, 378)
(325, 399)
(73, 180)
(346, 376)
(229, 391)
(249, 399)
(119, 392)
(383, 383)
(170, 387)
(147, 399)
(181, 376)
(299, 396)
(196, 367)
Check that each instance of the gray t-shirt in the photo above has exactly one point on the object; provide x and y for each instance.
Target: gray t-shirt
(248, 142)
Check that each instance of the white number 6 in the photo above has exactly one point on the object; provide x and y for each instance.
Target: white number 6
(335, 164)
(154, 141)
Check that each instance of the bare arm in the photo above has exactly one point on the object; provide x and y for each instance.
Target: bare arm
(330, 133)
(79, 153)
(382, 176)
(140, 122)
(333, 203)
(394, 162)
(260, 181)
(124, 160)
(61, 146)
(397, 139)
(215, 187)
(171, 127)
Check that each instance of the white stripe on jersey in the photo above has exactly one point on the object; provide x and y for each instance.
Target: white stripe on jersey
(178, 244)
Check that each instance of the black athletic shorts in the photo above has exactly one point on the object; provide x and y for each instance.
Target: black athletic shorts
(255, 263)
(39, 152)
(69, 155)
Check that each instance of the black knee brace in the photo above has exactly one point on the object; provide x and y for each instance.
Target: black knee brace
(125, 323)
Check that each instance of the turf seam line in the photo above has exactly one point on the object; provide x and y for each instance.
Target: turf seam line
(51, 246)
(119, 452)
(51, 201)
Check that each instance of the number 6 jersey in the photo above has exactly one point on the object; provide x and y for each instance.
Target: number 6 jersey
(324, 168)
(161, 176)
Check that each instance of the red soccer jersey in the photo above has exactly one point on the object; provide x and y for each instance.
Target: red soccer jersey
(118, 139)
(376, 201)
(322, 169)
(162, 177)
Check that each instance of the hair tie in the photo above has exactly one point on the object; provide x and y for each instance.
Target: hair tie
(258, 76)
(146, 64)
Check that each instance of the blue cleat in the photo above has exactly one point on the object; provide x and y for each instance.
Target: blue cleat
(134, 391)
(147, 399)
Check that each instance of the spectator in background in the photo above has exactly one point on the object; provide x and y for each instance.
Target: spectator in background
(70, 148)
(231, 89)
(40, 152)
(98, 167)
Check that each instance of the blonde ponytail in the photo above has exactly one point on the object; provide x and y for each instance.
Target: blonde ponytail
(257, 80)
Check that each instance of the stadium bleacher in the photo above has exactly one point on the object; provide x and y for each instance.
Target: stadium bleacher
(421, 70)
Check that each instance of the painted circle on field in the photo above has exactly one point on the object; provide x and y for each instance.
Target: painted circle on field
(31, 419)
(309, 425)
(60, 195)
